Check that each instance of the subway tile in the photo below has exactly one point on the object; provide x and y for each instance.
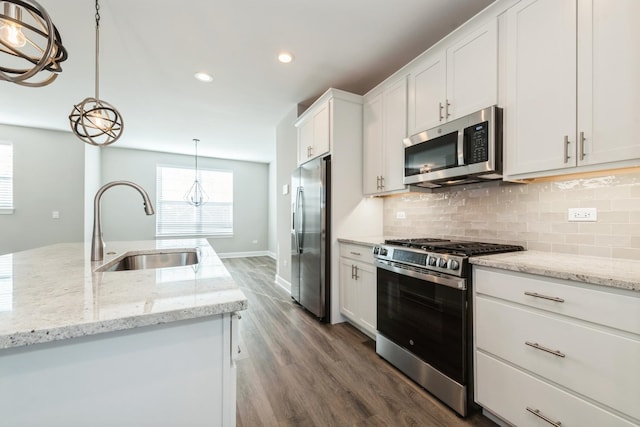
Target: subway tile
(634, 217)
(625, 205)
(612, 240)
(601, 251)
(565, 228)
(626, 229)
(538, 246)
(613, 217)
(635, 242)
(580, 239)
(600, 205)
(565, 248)
(595, 228)
(627, 253)
(539, 227)
(553, 237)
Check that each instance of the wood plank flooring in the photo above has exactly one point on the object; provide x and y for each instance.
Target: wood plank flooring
(295, 371)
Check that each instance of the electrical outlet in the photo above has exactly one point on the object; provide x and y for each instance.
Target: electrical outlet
(400, 215)
(583, 214)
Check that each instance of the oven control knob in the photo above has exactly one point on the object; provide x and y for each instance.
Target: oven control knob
(375, 250)
(453, 264)
(442, 263)
(433, 261)
(383, 252)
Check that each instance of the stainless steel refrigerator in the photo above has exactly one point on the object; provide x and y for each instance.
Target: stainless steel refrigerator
(310, 236)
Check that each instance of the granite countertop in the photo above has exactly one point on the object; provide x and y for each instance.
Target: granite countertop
(54, 293)
(366, 241)
(615, 273)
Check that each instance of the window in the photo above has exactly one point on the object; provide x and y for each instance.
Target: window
(6, 283)
(175, 217)
(6, 178)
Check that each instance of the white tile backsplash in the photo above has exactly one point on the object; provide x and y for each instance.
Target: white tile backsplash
(533, 215)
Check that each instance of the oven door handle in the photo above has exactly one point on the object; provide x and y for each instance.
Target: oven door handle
(452, 282)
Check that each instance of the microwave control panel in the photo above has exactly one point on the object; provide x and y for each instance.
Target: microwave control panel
(476, 139)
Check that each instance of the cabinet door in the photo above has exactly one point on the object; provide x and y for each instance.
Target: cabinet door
(427, 93)
(321, 131)
(372, 145)
(394, 131)
(348, 289)
(472, 72)
(540, 108)
(368, 297)
(305, 141)
(608, 83)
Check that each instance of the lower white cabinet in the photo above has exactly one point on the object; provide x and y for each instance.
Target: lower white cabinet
(542, 354)
(358, 287)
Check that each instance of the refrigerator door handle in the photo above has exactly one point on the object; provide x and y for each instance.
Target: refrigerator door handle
(299, 209)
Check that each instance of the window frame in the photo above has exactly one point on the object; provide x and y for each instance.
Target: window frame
(8, 208)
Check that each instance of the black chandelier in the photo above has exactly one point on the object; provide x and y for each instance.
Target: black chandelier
(29, 44)
(93, 120)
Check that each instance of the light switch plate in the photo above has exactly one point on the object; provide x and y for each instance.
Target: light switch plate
(583, 214)
(285, 189)
(400, 215)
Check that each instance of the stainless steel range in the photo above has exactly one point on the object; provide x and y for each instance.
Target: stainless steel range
(424, 313)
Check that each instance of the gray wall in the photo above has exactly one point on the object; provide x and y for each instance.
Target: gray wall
(273, 223)
(286, 159)
(123, 217)
(48, 176)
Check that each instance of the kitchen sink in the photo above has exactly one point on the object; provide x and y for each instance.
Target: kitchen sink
(142, 261)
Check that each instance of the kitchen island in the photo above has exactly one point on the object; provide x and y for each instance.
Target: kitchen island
(152, 347)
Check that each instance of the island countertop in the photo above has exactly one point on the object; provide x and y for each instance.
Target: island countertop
(54, 292)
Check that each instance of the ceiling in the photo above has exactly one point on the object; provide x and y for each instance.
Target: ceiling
(150, 50)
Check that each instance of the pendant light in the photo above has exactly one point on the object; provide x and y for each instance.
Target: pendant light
(29, 44)
(93, 120)
(196, 195)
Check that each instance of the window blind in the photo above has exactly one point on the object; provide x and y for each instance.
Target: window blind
(6, 176)
(175, 217)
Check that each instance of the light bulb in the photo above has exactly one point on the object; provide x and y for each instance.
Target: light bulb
(12, 34)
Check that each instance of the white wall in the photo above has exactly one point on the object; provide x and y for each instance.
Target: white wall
(123, 217)
(48, 176)
(286, 161)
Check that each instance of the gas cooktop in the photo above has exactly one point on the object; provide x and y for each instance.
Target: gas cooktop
(465, 248)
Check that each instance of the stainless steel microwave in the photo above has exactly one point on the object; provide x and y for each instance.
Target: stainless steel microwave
(461, 151)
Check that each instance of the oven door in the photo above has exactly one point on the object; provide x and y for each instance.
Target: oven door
(426, 315)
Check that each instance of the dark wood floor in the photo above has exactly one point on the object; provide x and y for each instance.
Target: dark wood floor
(294, 370)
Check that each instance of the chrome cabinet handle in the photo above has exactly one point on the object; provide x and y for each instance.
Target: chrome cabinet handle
(355, 253)
(382, 182)
(440, 109)
(378, 182)
(540, 415)
(545, 349)
(536, 295)
(566, 149)
(581, 152)
(352, 271)
(446, 109)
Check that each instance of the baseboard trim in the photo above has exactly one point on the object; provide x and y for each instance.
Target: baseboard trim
(283, 283)
(244, 254)
(272, 255)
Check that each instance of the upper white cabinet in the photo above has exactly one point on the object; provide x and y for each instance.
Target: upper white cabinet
(572, 85)
(454, 80)
(385, 126)
(314, 132)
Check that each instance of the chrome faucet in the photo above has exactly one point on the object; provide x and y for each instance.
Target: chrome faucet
(97, 244)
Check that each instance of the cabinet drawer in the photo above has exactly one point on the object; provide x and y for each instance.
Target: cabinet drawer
(606, 307)
(357, 252)
(597, 364)
(508, 392)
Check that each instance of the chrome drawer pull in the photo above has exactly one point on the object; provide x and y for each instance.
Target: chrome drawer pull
(548, 350)
(355, 253)
(533, 294)
(537, 413)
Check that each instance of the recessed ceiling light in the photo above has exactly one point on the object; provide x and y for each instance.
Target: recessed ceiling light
(285, 57)
(203, 77)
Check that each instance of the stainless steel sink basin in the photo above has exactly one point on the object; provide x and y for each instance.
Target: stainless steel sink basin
(152, 260)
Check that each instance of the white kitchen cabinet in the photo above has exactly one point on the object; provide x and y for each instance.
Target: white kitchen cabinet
(551, 345)
(314, 132)
(358, 287)
(385, 126)
(454, 80)
(571, 86)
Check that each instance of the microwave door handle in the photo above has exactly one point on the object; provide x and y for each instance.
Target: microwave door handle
(461, 153)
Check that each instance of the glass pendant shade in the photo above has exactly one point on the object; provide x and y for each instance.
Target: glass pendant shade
(93, 120)
(29, 44)
(196, 196)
